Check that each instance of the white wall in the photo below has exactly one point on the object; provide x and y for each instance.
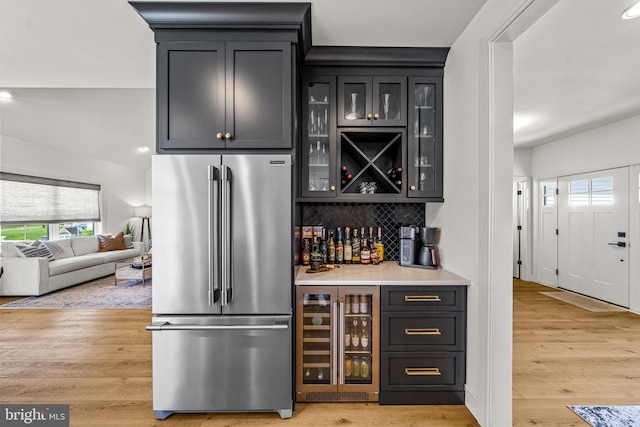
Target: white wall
(122, 187)
(611, 146)
(476, 240)
(522, 162)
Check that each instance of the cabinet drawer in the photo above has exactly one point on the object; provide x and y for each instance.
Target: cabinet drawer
(434, 371)
(422, 298)
(422, 331)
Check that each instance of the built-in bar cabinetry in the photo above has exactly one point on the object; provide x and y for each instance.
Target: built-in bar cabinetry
(423, 344)
(417, 339)
(372, 130)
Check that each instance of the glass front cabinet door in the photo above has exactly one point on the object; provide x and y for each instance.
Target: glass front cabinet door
(424, 161)
(318, 153)
(337, 344)
(372, 101)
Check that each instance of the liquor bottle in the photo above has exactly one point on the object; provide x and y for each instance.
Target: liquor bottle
(348, 249)
(355, 247)
(339, 246)
(347, 304)
(375, 256)
(324, 249)
(331, 249)
(380, 244)
(365, 252)
(355, 304)
(306, 252)
(355, 335)
(364, 304)
(347, 366)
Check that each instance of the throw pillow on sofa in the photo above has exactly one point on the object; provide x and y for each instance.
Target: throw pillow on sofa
(111, 243)
(56, 250)
(34, 249)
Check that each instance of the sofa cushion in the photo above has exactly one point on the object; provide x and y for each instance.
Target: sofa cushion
(113, 256)
(9, 250)
(35, 249)
(65, 265)
(84, 245)
(111, 243)
(65, 244)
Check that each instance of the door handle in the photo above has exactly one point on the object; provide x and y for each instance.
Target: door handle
(619, 244)
(214, 286)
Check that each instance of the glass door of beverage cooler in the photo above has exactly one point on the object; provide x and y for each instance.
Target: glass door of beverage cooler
(425, 139)
(358, 368)
(316, 316)
(328, 368)
(318, 170)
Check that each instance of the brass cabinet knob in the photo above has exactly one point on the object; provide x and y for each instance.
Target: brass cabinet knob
(227, 135)
(369, 116)
(376, 116)
(332, 188)
(412, 188)
(220, 135)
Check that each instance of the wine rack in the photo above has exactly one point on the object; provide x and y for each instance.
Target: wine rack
(369, 156)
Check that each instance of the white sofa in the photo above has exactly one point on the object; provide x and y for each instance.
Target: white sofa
(79, 261)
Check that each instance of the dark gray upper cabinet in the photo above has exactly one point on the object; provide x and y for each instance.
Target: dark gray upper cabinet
(215, 95)
(372, 101)
(226, 73)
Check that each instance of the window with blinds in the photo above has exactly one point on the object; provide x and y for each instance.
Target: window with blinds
(27, 200)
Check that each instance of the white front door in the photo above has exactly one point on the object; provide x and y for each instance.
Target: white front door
(593, 223)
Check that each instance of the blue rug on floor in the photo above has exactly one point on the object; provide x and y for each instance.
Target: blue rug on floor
(609, 416)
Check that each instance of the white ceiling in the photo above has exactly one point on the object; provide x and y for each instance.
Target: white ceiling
(83, 72)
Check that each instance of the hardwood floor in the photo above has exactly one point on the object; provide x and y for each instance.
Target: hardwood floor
(565, 355)
(99, 362)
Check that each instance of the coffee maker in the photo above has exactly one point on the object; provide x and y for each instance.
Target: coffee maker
(418, 247)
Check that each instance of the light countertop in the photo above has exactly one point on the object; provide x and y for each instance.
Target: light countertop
(387, 273)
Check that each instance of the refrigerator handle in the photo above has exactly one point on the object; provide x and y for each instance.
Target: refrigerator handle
(341, 354)
(225, 232)
(214, 285)
(337, 327)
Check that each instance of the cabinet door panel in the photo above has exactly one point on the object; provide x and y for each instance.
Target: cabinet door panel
(354, 101)
(259, 95)
(425, 138)
(191, 95)
(390, 101)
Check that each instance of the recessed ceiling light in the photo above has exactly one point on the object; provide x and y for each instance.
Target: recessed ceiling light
(632, 11)
(143, 149)
(5, 94)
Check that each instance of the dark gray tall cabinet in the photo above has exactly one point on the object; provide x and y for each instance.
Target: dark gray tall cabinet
(218, 95)
(227, 73)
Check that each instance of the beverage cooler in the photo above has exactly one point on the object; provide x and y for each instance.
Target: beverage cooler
(337, 343)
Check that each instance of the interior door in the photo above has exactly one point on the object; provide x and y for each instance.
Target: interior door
(547, 232)
(593, 219)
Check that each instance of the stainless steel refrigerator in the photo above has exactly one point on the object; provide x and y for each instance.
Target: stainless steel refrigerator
(222, 280)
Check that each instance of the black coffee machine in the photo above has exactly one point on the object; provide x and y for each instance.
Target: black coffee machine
(418, 247)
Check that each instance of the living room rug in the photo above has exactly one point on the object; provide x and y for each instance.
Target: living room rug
(100, 293)
(609, 416)
(582, 301)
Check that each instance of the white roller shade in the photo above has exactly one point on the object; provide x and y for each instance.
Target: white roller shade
(27, 199)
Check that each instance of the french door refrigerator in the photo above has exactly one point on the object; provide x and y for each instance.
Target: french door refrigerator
(222, 302)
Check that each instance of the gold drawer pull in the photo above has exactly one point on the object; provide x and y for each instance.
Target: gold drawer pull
(422, 331)
(421, 298)
(422, 371)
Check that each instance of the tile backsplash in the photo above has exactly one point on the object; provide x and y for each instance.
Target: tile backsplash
(386, 215)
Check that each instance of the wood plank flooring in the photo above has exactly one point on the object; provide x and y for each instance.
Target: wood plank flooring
(565, 355)
(99, 362)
